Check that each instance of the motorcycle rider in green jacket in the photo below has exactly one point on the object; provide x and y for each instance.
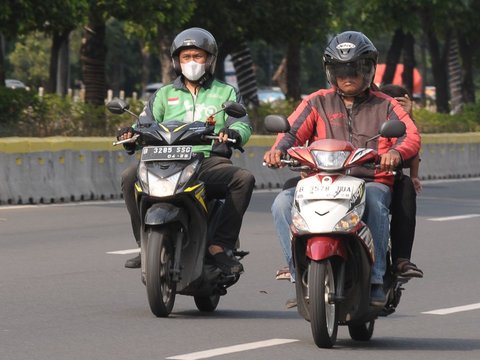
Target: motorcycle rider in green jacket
(194, 96)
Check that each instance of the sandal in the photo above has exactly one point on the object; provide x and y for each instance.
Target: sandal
(405, 268)
(283, 274)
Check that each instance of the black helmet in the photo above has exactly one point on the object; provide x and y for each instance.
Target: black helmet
(195, 38)
(350, 53)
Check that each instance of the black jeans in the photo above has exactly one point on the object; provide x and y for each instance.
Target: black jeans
(404, 212)
(222, 180)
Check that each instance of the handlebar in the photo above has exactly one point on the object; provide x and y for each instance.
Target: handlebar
(126, 141)
(213, 137)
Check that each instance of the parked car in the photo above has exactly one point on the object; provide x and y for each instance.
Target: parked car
(14, 84)
(270, 94)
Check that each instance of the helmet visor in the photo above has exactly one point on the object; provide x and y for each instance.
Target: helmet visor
(351, 69)
(362, 67)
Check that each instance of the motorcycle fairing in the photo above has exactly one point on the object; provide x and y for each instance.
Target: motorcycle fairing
(164, 213)
(361, 156)
(322, 247)
(199, 191)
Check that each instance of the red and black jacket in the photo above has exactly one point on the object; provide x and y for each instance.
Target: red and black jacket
(323, 114)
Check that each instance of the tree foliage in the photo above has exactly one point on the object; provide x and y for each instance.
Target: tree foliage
(286, 27)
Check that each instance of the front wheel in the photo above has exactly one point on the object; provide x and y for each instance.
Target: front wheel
(207, 303)
(161, 289)
(323, 311)
(362, 332)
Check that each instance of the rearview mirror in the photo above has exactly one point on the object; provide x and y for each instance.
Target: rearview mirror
(393, 129)
(234, 109)
(117, 106)
(276, 124)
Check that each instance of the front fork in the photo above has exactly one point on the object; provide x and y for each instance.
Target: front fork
(331, 249)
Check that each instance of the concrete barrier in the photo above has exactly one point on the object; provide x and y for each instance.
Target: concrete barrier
(52, 170)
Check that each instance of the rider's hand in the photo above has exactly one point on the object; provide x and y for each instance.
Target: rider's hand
(406, 103)
(417, 184)
(125, 133)
(273, 158)
(226, 133)
(390, 160)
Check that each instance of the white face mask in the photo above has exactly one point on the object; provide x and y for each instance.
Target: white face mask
(193, 70)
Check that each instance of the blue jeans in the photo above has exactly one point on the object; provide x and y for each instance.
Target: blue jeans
(376, 216)
(282, 219)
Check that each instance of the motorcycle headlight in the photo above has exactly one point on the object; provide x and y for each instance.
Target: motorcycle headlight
(352, 219)
(162, 186)
(143, 176)
(298, 221)
(187, 173)
(330, 160)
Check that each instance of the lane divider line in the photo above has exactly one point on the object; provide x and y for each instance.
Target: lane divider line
(124, 252)
(453, 310)
(458, 217)
(231, 349)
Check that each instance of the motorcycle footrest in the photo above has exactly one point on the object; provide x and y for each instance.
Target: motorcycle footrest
(241, 254)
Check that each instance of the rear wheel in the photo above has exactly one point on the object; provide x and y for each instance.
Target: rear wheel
(161, 289)
(362, 332)
(323, 311)
(207, 303)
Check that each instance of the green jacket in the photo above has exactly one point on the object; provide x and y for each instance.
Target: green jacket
(175, 102)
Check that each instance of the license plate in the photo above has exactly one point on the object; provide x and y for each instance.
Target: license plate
(318, 192)
(177, 152)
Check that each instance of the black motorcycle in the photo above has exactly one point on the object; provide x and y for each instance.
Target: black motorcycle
(176, 215)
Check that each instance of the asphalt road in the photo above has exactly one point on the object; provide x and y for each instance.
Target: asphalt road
(64, 295)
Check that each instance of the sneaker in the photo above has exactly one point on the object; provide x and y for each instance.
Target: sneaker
(377, 295)
(283, 274)
(134, 263)
(228, 264)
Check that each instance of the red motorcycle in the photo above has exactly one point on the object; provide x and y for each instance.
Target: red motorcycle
(332, 247)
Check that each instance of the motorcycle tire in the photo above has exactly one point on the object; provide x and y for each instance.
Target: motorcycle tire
(207, 303)
(161, 289)
(323, 313)
(362, 332)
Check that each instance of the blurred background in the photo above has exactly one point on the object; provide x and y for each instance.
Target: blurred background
(61, 60)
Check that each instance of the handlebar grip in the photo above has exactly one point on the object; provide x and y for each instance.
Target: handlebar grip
(215, 137)
(126, 141)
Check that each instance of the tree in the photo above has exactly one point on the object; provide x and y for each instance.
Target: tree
(291, 25)
(59, 18)
(16, 18)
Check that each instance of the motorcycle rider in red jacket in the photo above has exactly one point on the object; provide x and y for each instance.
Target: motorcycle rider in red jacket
(352, 109)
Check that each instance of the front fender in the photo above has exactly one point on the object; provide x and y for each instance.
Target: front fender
(323, 247)
(165, 213)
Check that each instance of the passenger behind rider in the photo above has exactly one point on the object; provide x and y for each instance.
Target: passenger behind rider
(353, 109)
(194, 96)
(404, 200)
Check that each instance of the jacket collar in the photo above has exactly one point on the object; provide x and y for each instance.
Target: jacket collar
(180, 85)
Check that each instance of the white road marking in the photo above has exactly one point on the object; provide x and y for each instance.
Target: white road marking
(458, 217)
(124, 252)
(453, 310)
(231, 349)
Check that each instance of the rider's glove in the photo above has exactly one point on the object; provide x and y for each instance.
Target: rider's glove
(129, 147)
(233, 134)
(124, 131)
